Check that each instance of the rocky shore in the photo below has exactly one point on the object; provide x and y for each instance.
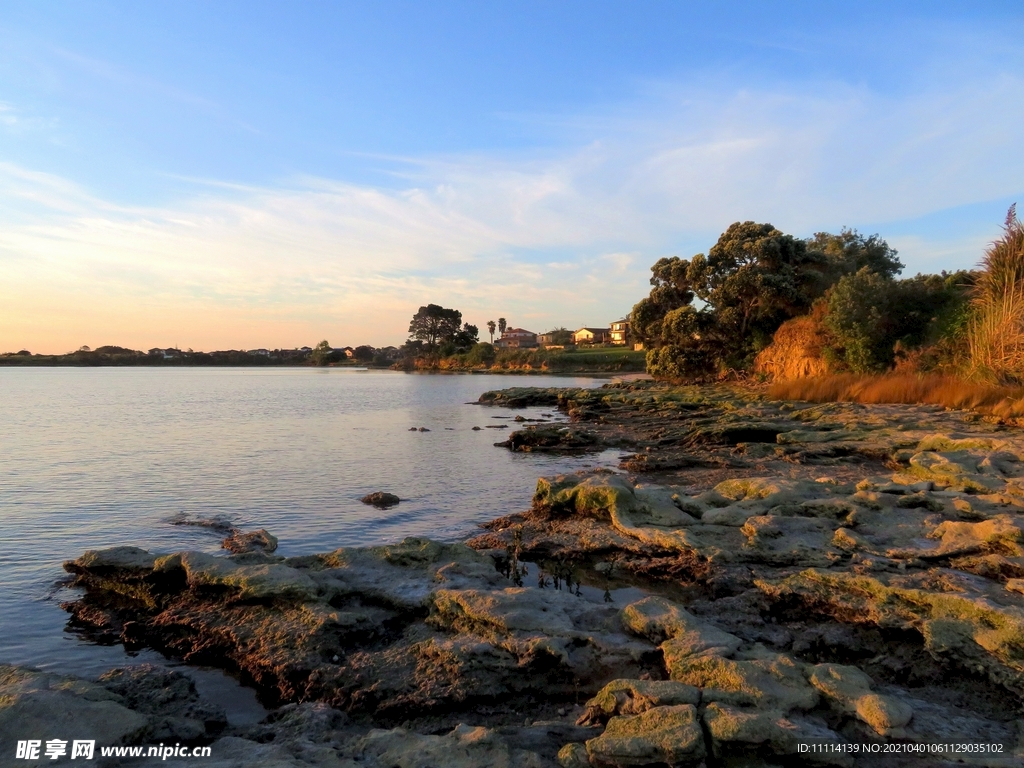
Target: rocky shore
(761, 584)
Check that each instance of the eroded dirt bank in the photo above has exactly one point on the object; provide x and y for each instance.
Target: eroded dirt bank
(757, 577)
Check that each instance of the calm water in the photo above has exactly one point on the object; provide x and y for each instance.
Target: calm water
(100, 457)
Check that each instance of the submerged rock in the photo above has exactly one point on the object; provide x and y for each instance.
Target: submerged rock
(380, 499)
(551, 439)
(256, 541)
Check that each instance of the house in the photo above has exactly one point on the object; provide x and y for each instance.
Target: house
(305, 349)
(619, 333)
(517, 338)
(349, 352)
(591, 335)
(263, 352)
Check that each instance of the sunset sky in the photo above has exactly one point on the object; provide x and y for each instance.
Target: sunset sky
(217, 175)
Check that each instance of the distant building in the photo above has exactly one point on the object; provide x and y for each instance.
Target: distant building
(517, 338)
(263, 352)
(619, 333)
(591, 335)
(305, 349)
(546, 339)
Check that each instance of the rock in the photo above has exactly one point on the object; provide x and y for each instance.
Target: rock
(631, 697)
(849, 689)
(732, 729)
(218, 523)
(256, 541)
(883, 713)
(1002, 532)
(33, 704)
(464, 747)
(170, 700)
(771, 681)
(259, 581)
(682, 634)
(424, 429)
(551, 439)
(668, 734)
(965, 625)
(380, 499)
(116, 559)
(784, 541)
(574, 755)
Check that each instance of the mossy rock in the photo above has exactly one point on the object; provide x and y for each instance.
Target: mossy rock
(660, 735)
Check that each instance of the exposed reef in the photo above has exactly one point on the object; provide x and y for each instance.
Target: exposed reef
(763, 577)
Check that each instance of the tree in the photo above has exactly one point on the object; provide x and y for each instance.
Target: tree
(502, 325)
(466, 338)
(560, 336)
(752, 280)
(755, 278)
(363, 353)
(490, 329)
(321, 352)
(434, 325)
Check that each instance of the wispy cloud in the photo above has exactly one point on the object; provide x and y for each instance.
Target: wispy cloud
(553, 238)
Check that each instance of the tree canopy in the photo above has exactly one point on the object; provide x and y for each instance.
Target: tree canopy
(440, 331)
(434, 324)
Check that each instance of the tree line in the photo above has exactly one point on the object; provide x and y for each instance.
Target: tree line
(715, 312)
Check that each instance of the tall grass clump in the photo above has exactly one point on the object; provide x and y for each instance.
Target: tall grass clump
(795, 351)
(995, 334)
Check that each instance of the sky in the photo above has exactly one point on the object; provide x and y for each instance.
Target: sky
(222, 175)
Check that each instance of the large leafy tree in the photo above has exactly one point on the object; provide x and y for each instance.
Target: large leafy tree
(435, 325)
(752, 280)
(755, 278)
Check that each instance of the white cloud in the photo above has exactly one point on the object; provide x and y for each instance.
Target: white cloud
(556, 238)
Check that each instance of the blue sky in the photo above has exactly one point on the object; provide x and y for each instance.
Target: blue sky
(216, 174)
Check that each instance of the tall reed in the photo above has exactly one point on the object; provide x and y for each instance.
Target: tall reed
(995, 335)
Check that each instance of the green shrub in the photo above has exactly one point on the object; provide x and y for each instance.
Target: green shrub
(481, 353)
(869, 314)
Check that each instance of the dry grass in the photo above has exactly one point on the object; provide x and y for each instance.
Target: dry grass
(948, 391)
(795, 351)
(996, 333)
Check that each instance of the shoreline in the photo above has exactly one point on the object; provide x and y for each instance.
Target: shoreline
(761, 574)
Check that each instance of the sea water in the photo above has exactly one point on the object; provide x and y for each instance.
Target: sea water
(101, 457)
